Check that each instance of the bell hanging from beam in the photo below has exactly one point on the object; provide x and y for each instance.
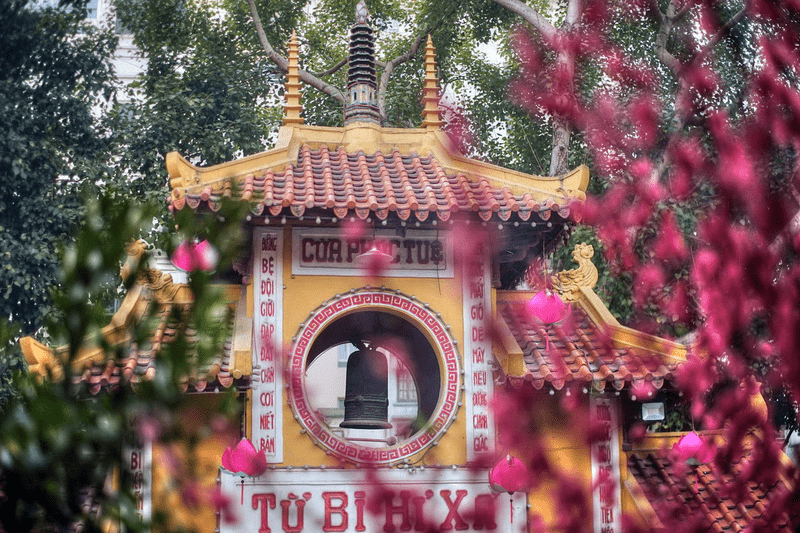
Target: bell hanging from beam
(366, 400)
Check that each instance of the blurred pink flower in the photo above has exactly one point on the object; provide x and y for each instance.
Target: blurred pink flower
(191, 495)
(642, 390)
(375, 261)
(149, 428)
(224, 504)
(354, 229)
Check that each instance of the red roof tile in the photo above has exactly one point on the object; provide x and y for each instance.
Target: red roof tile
(580, 352)
(376, 183)
(701, 498)
(136, 363)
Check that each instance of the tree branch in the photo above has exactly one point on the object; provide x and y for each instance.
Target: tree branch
(331, 70)
(283, 64)
(574, 10)
(665, 22)
(721, 34)
(657, 12)
(531, 16)
(561, 127)
(399, 60)
(682, 12)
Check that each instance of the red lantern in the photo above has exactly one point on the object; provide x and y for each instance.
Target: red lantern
(509, 475)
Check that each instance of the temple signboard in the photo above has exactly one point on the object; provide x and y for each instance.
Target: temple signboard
(330, 500)
(267, 376)
(478, 356)
(138, 460)
(605, 467)
(327, 251)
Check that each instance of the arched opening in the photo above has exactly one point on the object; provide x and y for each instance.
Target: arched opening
(414, 374)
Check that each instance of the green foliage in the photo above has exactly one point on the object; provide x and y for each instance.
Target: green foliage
(206, 93)
(677, 419)
(613, 287)
(55, 70)
(59, 443)
(11, 362)
(211, 93)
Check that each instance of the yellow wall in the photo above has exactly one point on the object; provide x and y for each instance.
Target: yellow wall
(174, 465)
(564, 447)
(302, 294)
(564, 443)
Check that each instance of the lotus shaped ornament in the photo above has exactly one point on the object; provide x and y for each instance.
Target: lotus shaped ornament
(243, 459)
(191, 256)
(509, 475)
(694, 449)
(548, 307)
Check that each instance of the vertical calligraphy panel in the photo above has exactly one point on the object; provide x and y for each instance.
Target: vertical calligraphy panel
(267, 377)
(476, 285)
(605, 467)
(137, 458)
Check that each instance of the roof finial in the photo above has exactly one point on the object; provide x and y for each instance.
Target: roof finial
(362, 83)
(569, 282)
(362, 13)
(431, 117)
(293, 107)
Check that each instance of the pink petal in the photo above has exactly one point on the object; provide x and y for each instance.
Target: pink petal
(259, 464)
(226, 459)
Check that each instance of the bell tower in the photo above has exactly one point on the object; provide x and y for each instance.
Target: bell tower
(361, 103)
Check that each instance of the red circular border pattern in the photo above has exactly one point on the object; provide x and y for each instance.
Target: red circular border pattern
(421, 316)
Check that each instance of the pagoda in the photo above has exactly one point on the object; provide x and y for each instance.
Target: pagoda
(374, 315)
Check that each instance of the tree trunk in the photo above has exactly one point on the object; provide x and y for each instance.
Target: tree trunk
(561, 126)
(558, 156)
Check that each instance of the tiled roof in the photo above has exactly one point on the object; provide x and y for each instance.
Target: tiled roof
(579, 352)
(379, 183)
(700, 498)
(136, 362)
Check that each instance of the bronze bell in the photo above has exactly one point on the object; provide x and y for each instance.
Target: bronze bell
(366, 400)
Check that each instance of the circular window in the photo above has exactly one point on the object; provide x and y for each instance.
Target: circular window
(366, 341)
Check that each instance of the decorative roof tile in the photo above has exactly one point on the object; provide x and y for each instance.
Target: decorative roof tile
(135, 362)
(577, 350)
(379, 183)
(701, 498)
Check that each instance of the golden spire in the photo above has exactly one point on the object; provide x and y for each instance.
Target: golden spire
(430, 92)
(293, 107)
